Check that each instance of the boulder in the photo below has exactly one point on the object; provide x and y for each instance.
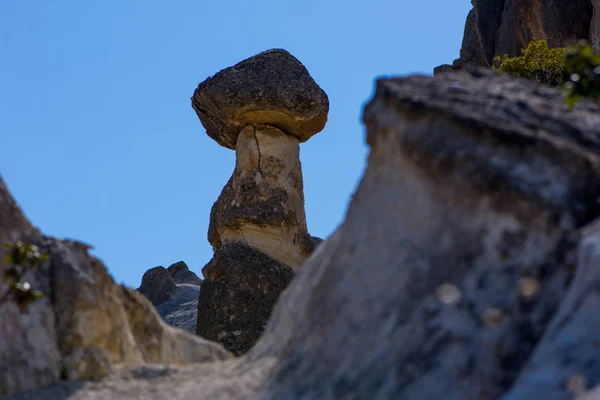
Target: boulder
(272, 88)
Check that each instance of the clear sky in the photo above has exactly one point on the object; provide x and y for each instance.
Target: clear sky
(98, 138)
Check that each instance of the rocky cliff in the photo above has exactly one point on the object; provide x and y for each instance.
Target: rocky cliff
(464, 268)
(496, 27)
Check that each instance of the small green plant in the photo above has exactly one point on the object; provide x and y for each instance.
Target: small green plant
(21, 258)
(582, 67)
(576, 69)
(537, 62)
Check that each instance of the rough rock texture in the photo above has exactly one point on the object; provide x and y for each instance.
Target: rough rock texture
(238, 295)
(263, 108)
(174, 292)
(157, 285)
(568, 351)
(272, 88)
(86, 324)
(496, 27)
(262, 205)
(456, 251)
(465, 267)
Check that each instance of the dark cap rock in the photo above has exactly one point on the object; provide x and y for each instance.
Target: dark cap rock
(272, 88)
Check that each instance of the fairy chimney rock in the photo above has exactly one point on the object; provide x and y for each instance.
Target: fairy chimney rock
(263, 107)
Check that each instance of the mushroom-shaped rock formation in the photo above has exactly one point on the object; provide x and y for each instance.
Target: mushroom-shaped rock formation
(263, 108)
(272, 88)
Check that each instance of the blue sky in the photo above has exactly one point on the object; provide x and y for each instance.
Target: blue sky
(100, 143)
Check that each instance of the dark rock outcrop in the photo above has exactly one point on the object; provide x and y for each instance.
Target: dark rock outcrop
(238, 295)
(496, 27)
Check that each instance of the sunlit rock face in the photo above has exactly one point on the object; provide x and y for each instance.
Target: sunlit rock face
(262, 205)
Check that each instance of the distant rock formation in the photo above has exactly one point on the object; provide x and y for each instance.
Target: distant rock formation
(496, 27)
(262, 107)
(466, 266)
(86, 324)
(174, 291)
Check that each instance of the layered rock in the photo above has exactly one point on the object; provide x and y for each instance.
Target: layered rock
(86, 324)
(496, 27)
(263, 108)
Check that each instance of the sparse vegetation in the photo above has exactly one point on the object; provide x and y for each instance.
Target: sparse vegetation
(20, 259)
(576, 69)
(537, 62)
(583, 69)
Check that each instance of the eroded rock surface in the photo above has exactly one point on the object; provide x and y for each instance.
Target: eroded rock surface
(86, 324)
(262, 205)
(263, 108)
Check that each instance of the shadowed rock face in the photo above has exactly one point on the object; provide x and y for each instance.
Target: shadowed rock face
(496, 27)
(271, 88)
(238, 295)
